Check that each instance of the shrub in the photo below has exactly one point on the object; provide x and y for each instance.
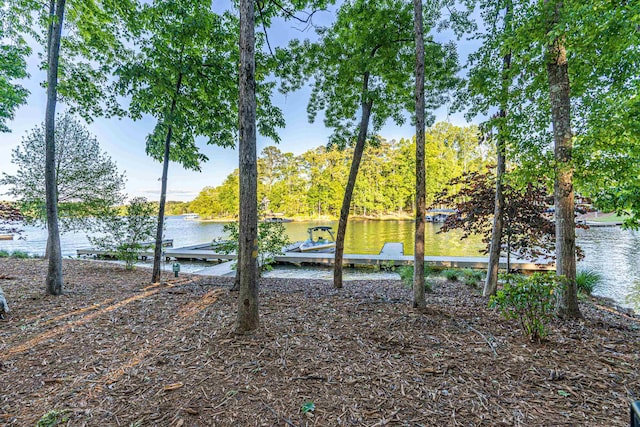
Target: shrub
(272, 238)
(531, 300)
(588, 280)
(20, 255)
(125, 235)
(472, 277)
(452, 275)
(406, 275)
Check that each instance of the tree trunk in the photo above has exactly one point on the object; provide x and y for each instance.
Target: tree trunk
(157, 253)
(248, 245)
(418, 251)
(559, 92)
(54, 274)
(491, 284)
(353, 174)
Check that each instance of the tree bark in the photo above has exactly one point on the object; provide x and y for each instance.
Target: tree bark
(248, 240)
(157, 253)
(491, 284)
(559, 93)
(54, 280)
(367, 103)
(418, 250)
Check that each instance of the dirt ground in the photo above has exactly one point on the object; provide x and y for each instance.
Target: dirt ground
(118, 351)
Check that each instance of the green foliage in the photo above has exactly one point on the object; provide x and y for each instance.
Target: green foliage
(52, 418)
(312, 183)
(588, 280)
(88, 181)
(127, 236)
(452, 275)
(272, 238)
(13, 65)
(472, 277)
(14, 254)
(20, 255)
(406, 275)
(308, 407)
(531, 300)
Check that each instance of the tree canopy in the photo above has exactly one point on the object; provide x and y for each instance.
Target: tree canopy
(87, 179)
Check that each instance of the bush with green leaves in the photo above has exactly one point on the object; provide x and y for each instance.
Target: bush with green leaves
(406, 275)
(128, 236)
(472, 277)
(452, 275)
(272, 238)
(588, 280)
(531, 300)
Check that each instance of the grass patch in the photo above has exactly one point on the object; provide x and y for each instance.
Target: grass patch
(588, 280)
(4, 254)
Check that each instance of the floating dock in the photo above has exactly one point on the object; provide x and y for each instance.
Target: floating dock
(391, 254)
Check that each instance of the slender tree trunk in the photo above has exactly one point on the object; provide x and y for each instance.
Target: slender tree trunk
(559, 92)
(54, 273)
(157, 253)
(491, 284)
(418, 251)
(248, 245)
(353, 174)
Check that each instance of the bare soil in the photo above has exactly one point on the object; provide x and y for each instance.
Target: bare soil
(116, 350)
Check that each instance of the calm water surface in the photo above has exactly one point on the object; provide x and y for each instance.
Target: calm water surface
(613, 252)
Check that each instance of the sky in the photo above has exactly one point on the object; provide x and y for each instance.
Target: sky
(124, 140)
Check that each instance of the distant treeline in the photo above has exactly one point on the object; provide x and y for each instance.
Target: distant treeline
(312, 184)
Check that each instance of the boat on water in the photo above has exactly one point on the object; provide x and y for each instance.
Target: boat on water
(321, 239)
(276, 218)
(191, 216)
(6, 236)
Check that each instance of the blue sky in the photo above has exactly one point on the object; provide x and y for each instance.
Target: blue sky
(124, 140)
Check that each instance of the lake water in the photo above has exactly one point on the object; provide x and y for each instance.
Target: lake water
(613, 252)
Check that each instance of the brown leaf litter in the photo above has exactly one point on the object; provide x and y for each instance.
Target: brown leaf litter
(118, 351)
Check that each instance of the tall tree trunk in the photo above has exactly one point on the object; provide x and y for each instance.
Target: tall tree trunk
(367, 103)
(421, 209)
(491, 284)
(54, 273)
(157, 253)
(248, 245)
(559, 92)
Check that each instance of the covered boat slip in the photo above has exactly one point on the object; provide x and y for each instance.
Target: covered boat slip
(391, 254)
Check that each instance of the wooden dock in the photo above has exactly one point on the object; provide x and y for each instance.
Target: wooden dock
(392, 254)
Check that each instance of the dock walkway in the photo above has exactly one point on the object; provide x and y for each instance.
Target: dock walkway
(392, 254)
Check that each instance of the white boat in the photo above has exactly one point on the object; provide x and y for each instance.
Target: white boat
(191, 216)
(320, 239)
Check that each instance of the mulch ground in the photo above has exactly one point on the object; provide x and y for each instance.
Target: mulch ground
(118, 351)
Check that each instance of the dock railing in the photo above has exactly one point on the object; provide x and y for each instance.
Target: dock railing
(635, 414)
